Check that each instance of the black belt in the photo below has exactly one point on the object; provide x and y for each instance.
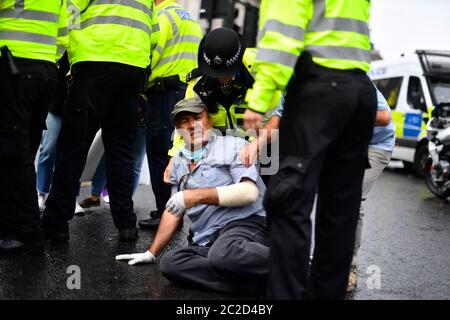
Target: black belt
(306, 68)
(340, 71)
(166, 83)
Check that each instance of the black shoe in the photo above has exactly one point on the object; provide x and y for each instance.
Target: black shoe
(128, 234)
(89, 203)
(57, 237)
(152, 222)
(14, 246)
(56, 233)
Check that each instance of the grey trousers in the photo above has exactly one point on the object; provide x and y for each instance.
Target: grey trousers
(236, 262)
(378, 159)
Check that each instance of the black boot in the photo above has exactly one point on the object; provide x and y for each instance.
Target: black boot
(9, 245)
(152, 222)
(55, 232)
(128, 235)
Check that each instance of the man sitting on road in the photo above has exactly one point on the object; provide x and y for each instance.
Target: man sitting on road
(228, 242)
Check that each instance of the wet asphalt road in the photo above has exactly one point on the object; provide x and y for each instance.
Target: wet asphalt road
(406, 237)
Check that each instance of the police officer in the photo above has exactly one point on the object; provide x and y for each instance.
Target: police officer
(319, 51)
(221, 81)
(28, 38)
(109, 51)
(174, 56)
(223, 77)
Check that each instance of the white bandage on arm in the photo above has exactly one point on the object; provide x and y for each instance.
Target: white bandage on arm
(237, 195)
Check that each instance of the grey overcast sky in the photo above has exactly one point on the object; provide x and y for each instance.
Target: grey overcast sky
(402, 26)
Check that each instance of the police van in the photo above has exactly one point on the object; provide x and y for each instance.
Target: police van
(412, 87)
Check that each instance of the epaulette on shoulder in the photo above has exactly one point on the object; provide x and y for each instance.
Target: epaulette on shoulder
(193, 74)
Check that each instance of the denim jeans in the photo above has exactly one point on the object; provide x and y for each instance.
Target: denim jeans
(99, 179)
(47, 153)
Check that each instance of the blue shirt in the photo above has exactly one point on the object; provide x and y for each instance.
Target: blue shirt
(383, 136)
(220, 166)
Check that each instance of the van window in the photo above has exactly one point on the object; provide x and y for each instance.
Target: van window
(441, 90)
(416, 98)
(390, 88)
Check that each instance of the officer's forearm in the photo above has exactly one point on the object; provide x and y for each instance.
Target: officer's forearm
(270, 131)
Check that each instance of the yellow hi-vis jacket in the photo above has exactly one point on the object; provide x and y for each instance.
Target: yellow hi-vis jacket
(111, 31)
(30, 27)
(335, 32)
(177, 45)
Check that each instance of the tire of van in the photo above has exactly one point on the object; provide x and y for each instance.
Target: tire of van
(420, 159)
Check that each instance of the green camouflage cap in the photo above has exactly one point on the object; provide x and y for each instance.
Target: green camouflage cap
(193, 105)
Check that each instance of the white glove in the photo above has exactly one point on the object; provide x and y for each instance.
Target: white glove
(176, 205)
(146, 257)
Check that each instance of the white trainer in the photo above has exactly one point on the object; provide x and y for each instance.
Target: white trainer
(106, 199)
(79, 211)
(42, 198)
(105, 195)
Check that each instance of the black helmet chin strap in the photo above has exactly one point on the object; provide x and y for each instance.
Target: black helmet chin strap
(247, 78)
(226, 87)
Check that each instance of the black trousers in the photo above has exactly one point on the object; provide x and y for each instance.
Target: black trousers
(324, 137)
(105, 95)
(160, 128)
(24, 102)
